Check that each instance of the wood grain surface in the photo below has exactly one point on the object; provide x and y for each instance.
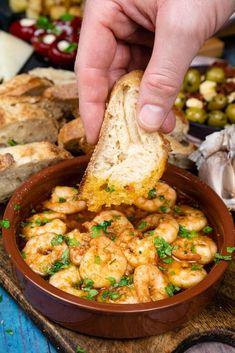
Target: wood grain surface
(215, 323)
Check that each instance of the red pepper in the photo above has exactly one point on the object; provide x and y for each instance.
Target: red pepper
(39, 42)
(22, 31)
(65, 57)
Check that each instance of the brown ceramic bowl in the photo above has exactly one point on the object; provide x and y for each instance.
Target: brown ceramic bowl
(114, 320)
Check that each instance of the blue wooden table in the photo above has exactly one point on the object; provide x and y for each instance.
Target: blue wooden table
(18, 334)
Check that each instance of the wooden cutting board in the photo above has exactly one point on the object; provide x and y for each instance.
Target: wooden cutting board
(216, 322)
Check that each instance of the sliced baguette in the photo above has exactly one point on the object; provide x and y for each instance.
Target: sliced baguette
(19, 162)
(127, 160)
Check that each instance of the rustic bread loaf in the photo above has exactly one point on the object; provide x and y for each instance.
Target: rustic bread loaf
(57, 76)
(19, 162)
(26, 85)
(28, 119)
(127, 160)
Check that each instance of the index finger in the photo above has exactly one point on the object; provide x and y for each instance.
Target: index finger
(96, 51)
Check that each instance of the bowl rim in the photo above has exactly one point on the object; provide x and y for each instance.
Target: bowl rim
(9, 240)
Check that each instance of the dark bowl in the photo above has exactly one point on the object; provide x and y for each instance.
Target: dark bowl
(114, 320)
(201, 131)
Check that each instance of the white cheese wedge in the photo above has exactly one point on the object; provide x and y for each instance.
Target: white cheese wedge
(14, 54)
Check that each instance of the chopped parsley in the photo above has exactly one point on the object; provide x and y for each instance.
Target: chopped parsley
(12, 142)
(164, 249)
(177, 209)
(168, 260)
(72, 241)
(79, 349)
(109, 189)
(61, 200)
(9, 331)
(164, 209)
(95, 230)
(218, 257)
(91, 293)
(207, 229)
(124, 281)
(196, 267)
(57, 240)
(88, 283)
(23, 254)
(97, 260)
(17, 207)
(142, 225)
(5, 223)
(171, 289)
(62, 263)
(106, 294)
(152, 194)
(184, 233)
(151, 232)
(42, 221)
(70, 48)
(230, 249)
(131, 217)
(44, 23)
(161, 197)
(161, 268)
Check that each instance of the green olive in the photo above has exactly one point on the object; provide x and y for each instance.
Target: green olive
(218, 102)
(192, 80)
(230, 112)
(217, 118)
(215, 74)
(180, 100)
(196, 115)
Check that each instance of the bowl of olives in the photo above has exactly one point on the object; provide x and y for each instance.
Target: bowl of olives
(207, 98)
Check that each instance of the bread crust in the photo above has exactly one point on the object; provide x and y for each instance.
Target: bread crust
(128, 186)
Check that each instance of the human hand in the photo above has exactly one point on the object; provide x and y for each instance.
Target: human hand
(160, 36)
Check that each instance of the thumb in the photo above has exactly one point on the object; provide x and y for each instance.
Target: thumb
(174, 48)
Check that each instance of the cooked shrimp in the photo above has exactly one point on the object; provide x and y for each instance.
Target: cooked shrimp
(184, 274)
(78, 244)
(101, 261)
(141, 252)
(65, 199)
(191, 218)
(162, 225)
(68, 280)
(40, 254)
(119, 295)
(161, 195)
(150, 283)
(40, 223)
(201, 249)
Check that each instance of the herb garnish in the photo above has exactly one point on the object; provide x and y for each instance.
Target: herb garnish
(67, 17)
(171, 289)
(184, 233)
(207, 229)
(230, 249)
(17, 207)
(152, 193)
(124, 281)
(109, 189)
(9, 331)
(95, 230)
(70, 48)
(5, 223)
(62, 263)
(97, 260)
(61, 200)
(111, 295)
(142, 225)
(164, 209)
(164, 249)
(12, 142)
(23, 254)
(177, 209)
(57, 240)
(218, 257)
(196, 267)
(79, 349)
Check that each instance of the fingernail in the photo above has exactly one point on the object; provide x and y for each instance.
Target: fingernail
(152, 116)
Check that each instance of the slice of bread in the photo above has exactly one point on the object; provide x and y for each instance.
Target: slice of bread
(19, 162)
(127, 160)
(57, 76)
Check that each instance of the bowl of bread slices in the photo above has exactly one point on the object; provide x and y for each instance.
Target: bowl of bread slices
(118, 243)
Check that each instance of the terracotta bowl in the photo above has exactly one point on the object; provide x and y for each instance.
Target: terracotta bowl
(114, 320)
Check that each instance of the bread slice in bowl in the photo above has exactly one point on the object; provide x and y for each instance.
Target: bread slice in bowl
(127, 160)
